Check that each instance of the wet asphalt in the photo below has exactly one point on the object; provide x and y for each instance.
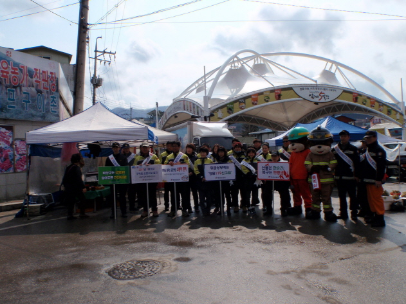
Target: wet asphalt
(239, 259)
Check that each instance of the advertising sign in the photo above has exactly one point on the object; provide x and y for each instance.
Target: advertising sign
(219, 172)
(175, 174)
(28, 87)
(146, 174)
(273, 171)
(317, 93)
(6, 149)
(114, 175)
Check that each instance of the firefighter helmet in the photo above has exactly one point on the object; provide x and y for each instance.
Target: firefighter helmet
(297, 133)
(320, 134)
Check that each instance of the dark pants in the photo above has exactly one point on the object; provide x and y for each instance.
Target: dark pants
(238, 188)
(205, 196)
(121, 191)
(193, 187)
(254, 193)
(362, 198)
(226, 193)
(167, 189)
(267, 194)
(249, 188)
(142, 196)
(350, 186)
(131, 193)
(71, 197)
(182, 191)
(283, 188)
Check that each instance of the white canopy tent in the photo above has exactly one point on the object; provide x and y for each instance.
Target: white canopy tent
(96, 123)
(160, 136)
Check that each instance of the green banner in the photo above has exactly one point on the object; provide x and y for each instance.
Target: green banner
(114, 175)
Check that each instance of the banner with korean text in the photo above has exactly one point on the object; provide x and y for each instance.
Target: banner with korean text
(146, 174)
(278, 171)
(114, 175)
(175, 174)
(219, 172)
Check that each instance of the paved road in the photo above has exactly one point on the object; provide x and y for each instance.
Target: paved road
(241, 259)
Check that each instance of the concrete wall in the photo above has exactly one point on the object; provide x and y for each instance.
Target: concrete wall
(13, 185)
(55, 56)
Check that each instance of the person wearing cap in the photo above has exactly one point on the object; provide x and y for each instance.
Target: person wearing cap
(131, 188)
(237, 187)
(117, 159)
(167, 188)
(373, 168)
(346, 174)
(144, 157)
(282, 187)
(266, 187)
(249, 166)
(284, 152)
(182, 189)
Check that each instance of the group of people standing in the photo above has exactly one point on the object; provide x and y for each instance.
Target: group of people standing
(359, 172)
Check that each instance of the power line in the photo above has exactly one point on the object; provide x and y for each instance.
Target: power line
(46, 9)
(110, 11)
(149, 14)
(324, 9)
(53, 12)
(28, 9)
(155, 21)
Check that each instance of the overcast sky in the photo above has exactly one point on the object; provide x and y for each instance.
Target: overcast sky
(157, 61)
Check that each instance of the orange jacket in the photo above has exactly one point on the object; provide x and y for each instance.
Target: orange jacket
(297, 165)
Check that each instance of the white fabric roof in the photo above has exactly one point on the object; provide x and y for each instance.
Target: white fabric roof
(96, 123)
(161, 137)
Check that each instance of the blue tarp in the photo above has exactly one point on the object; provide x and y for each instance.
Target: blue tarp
(333, 125)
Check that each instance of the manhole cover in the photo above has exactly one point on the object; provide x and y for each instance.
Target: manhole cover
(135, 270)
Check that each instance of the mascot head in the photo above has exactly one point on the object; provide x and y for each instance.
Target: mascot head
(320, 140)
(298, 139)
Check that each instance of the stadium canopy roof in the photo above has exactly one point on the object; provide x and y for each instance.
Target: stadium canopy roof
(255, 89)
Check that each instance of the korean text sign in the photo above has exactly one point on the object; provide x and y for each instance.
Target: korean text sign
(278, 171)
(219, 172)
(146, 174)
(175, 174)
(114, 175)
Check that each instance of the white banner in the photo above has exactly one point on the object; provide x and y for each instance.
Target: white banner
(175, 173)
(317, 93)
(146, 174)
(219, 172)
(273, 171)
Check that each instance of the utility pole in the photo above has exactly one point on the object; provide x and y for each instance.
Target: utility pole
(97, 82)
(81, 57)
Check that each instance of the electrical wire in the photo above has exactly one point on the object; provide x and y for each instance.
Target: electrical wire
(149, 14)
(46, 9)
(324, 9)
(53, 12)
(28, 9)
(111, 10)
(157, 21)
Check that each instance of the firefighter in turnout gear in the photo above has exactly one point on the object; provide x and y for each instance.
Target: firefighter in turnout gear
(320, 162)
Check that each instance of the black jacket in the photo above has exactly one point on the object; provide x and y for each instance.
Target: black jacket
(343, 169)
(72, 179)
(378, 154)
(120, 158)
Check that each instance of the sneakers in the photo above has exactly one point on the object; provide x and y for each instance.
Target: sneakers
(185, 213)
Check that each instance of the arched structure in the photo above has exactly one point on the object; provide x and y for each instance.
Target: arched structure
(257, 90)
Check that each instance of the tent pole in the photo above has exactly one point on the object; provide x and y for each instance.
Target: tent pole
(115, 202)
(221, 201)
(147, 200)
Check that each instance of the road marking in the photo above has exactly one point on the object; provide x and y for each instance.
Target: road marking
(22, 225)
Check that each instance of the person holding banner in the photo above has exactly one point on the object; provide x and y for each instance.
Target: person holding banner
(131, 189)
(282, 187)
(205, 188)
(190, 152)
(266, 185)
(225, 185)
(175, 158)
(238, 186)
(117, 159)
(373, 167)
(249, 166)
(346, 175)
(284, 152)
(145, 157)
(162, 159)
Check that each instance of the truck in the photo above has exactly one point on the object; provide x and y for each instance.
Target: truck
(199, 132)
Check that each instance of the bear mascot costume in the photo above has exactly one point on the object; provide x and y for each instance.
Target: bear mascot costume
(298, 172)
(320, 163)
